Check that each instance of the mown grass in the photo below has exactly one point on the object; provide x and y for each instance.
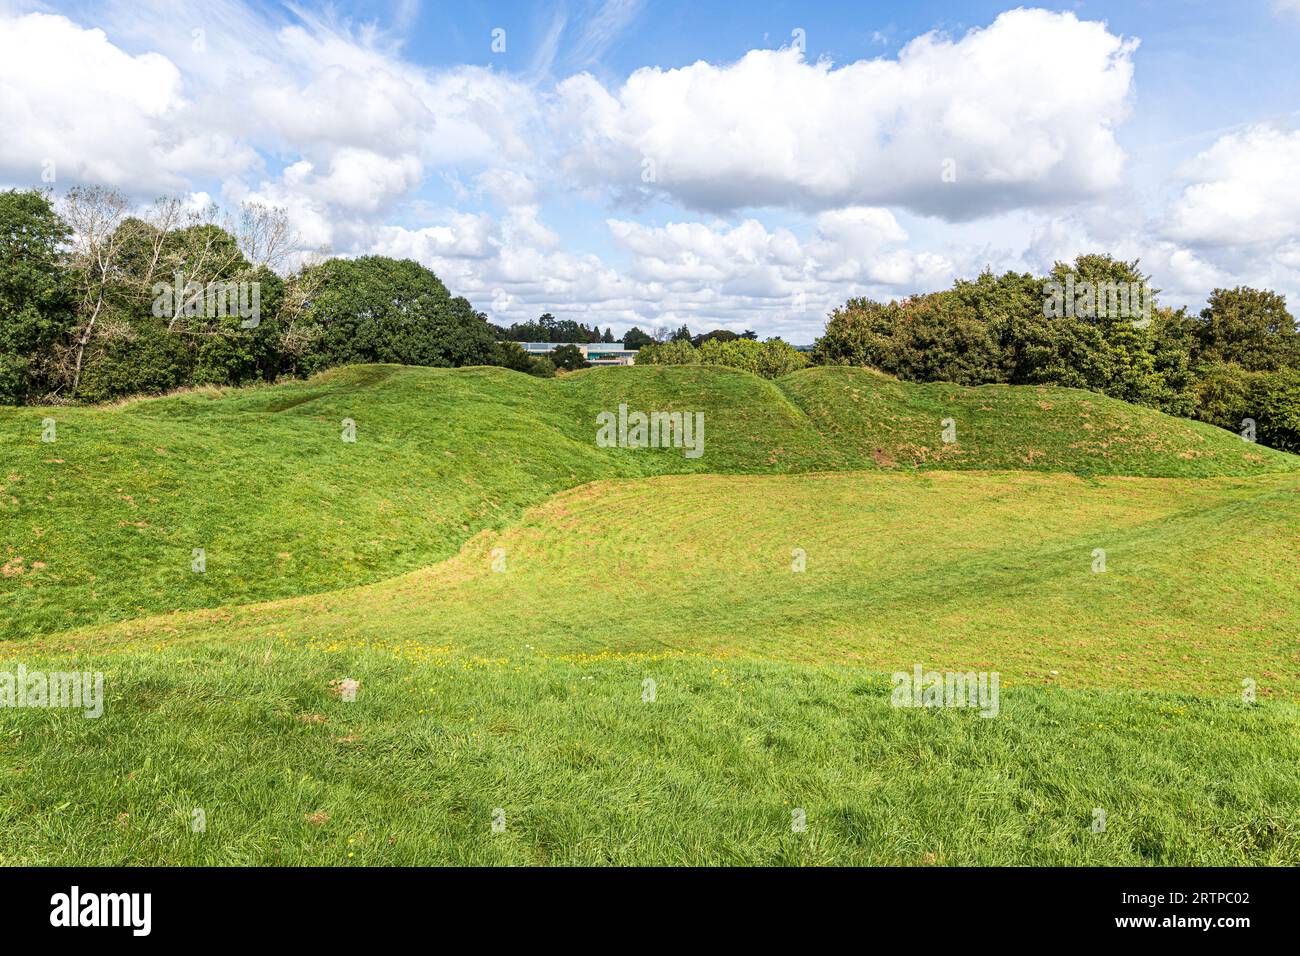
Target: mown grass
(511, 675)
(985, 571)
(101, 524)
(521, 689)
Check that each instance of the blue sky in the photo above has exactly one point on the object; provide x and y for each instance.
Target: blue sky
(738, 165)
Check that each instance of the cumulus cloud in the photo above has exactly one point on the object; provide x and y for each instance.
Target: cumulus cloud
(706, 274)
(70, 98)
(1241, 190)
(332, 121)
(1020, 113)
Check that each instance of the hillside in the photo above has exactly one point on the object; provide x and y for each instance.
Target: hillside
(101, 524)
(614, 649)
(524, 690)
(965, 570)
(872, 416)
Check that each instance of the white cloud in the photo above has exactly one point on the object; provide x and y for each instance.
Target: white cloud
(69, 96)
(333, 122)
(1025, 109)
(465, 236)
(703, 253)
(707, 275)
(1241, 190)
(602, 30)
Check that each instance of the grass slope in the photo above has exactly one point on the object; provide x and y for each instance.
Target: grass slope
(101, 524)
(871, 416)
(522, 689)
(953, 570)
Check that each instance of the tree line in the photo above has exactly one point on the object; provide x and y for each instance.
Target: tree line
(1095, 324)
(99, 302)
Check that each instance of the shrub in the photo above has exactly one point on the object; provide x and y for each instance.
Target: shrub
(1275, 397)
(770, 359)
(668, 353)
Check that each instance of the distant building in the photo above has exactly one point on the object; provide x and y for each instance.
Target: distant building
(597, 353)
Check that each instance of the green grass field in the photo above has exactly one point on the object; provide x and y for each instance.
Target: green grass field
(506, 592)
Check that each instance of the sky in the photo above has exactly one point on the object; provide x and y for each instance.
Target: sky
(720, 165)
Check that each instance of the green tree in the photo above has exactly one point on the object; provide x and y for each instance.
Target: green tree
(1275, 400)
(860, 332)
(376, 309)
(1223, 395)
(549, 329)
(1250, 327)
(939, 338)
(722, 335)
(634, 338)
(668, 353)
(568, 357)
(36, 303)
(926, 338)
(771, 359)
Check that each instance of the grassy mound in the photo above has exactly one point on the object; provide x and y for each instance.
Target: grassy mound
(762, 593)
(873, 417)
(102, 524)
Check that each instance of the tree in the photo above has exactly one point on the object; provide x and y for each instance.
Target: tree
(925, 338)
(1223, 395)
(94, 215)
(940, 339)
(722, 335)
(376, 309)
(668, 353)
(1275, 400)
(541, 366)
(634, 338)
(568, 357)
(860, 332)
(683, 334)
(549, 329)
(1250, 327)
(36, 304)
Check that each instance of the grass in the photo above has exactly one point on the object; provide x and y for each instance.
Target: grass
(957, 570)
(520, 685)
(586, 772)
(872, 416)
(101, 525)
